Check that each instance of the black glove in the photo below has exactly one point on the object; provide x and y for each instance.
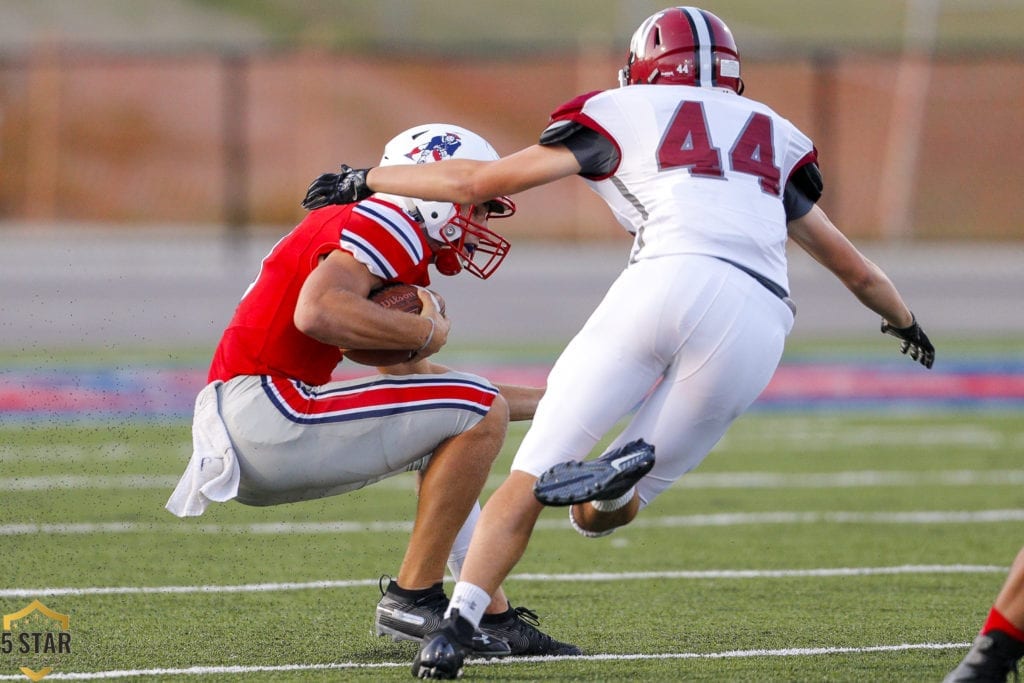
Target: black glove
(915, 341)
(346, 187)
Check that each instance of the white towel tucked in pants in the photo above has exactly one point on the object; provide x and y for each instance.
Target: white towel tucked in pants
(212, 474)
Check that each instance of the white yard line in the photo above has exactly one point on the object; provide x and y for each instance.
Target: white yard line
(64, 482)
(693, 480)
(542, 578)
(730, 654)
(779, 432)
(642, 522)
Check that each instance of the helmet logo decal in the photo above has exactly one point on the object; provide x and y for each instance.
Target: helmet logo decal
(439, 147)
(729, 68)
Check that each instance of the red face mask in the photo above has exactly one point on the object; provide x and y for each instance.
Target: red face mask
(482, 254)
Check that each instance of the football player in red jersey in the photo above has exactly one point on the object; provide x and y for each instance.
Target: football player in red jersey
(712, 185)
(1000, 643)
(271, 427)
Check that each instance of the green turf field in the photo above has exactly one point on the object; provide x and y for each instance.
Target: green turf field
(809, 547)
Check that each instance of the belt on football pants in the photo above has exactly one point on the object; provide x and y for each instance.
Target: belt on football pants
(772, 286)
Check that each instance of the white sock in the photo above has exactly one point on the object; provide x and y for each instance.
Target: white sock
(470, 600)
(615, 503)
(461, 546)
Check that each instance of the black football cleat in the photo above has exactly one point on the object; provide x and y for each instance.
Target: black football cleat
(415, 614)
(991, 659)
(443, 652)
(607, 477)
(410, 616)
(518, 627)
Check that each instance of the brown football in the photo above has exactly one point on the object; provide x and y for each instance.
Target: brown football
(398, 296)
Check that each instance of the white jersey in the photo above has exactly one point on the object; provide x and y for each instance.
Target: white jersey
(714, 182)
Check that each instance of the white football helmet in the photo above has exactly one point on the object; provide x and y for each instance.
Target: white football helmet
(446, 222)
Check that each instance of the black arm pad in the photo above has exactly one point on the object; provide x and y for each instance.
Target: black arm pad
(808, 179)
(559, 131)
(596, 154)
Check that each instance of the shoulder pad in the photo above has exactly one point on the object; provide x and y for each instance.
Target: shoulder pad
(573, 106)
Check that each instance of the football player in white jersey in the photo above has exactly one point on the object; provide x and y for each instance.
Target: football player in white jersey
(711, 184)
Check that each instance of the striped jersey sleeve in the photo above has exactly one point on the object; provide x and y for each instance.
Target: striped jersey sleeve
(385, 239)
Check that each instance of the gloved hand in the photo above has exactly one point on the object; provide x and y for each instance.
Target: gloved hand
(915, 341)
(346, 187)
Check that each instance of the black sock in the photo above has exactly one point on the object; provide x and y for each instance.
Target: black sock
(500, 616)
(415, 592)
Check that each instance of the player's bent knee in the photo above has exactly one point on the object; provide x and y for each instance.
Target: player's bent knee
(500, 406)
(494, 425)
(497, 417)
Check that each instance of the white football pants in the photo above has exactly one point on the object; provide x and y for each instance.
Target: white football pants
(688, 341)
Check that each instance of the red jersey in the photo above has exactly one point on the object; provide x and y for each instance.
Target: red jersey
(262, 339)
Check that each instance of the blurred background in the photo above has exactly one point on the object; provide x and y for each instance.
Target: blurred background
(152, 150)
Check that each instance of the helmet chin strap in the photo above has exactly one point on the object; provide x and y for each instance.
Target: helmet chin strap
(446, 260)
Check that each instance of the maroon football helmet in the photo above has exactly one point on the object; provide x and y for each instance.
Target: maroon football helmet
(683, 46)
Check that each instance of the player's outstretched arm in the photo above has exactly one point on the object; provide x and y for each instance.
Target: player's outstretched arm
(522, 400)
(819, 237)
(465, 181)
